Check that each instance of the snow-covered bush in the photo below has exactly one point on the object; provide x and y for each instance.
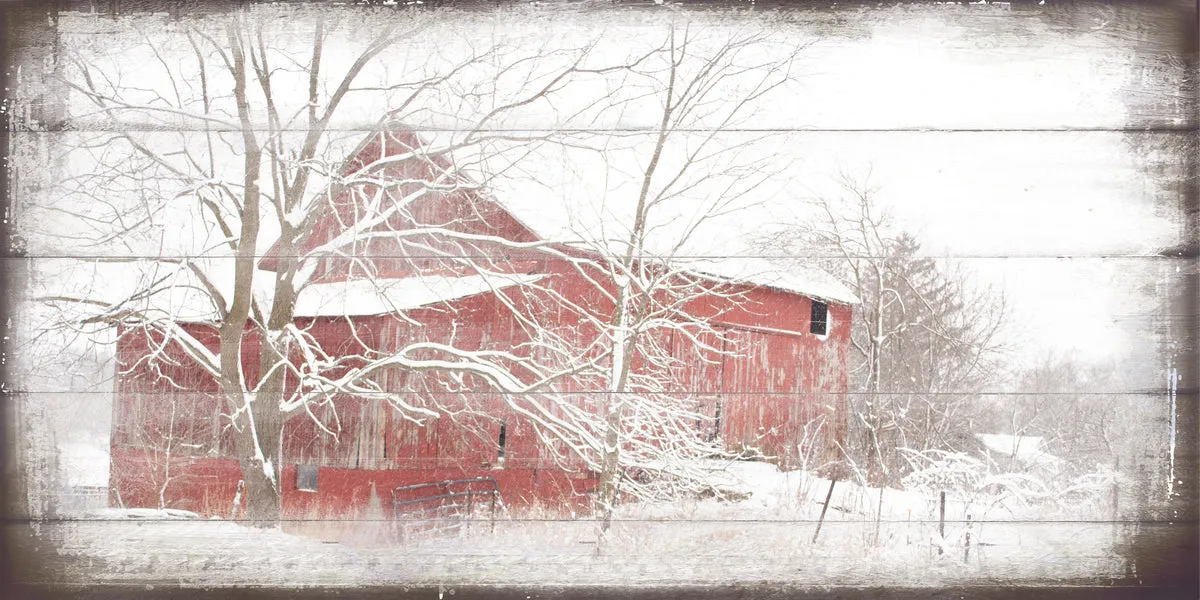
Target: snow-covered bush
(980, 482)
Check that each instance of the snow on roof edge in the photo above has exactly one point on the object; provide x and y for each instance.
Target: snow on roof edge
(364, 297)
(829, 290)
(808, 281)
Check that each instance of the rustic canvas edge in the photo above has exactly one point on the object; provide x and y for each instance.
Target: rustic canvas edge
(1167, 566)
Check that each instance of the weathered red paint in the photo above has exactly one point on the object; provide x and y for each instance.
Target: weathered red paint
(209, 486)
(773, 379)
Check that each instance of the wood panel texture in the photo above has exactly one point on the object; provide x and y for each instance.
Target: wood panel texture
(719, 298)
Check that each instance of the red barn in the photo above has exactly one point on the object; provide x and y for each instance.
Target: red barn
(775, 368)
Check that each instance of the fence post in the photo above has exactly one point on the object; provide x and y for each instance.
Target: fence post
(821, 520)
(492, 508)
(908, 529)
(237, 499)
(470, 516)
(967, 548)
(878, 514)
(942, 523)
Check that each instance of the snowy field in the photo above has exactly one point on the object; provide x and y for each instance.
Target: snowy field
(765, 538)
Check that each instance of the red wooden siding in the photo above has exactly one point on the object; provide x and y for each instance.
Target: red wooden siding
(767, 386)
(763, 378)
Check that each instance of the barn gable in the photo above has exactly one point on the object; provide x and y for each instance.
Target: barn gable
(432, 196)
(519, 216)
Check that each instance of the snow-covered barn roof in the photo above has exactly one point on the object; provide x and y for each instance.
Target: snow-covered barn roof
(554, 215)
(549, 219)
(572, 211)
(809, 281)
(363, 297)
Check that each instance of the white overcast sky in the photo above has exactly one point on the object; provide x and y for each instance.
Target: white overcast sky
(971, 197)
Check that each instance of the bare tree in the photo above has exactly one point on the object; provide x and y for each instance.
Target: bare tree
(1080, 410)
(924, 338)
(241, 157)
(652, 290)
(185, 185)
(165, 444)
(647, 308)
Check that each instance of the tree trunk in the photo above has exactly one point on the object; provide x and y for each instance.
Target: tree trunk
(609, 472)
(262, 496)
(263, 485)
(261, 423)
(262, 489)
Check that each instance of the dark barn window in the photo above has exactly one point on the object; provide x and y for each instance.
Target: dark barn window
(820, 318)
(306, 478)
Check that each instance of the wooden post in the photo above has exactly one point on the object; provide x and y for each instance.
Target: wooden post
(942, 523)
(821, 520)
(469, 516)
(908, 529)
(967, 547)
(492, 508)
(878, 515)
(237, 499)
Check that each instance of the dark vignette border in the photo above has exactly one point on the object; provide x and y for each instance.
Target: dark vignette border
(1167, 561)
(683, 592)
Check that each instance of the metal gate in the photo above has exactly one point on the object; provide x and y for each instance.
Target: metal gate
(445, 505)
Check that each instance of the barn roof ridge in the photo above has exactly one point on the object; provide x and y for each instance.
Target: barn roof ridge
(804, 280)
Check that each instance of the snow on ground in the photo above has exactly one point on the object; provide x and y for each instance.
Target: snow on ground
(84, 464)
(144, 545)
(136, 514)
(764, 538)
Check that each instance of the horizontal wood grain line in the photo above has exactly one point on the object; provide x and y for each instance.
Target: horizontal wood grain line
(680, 257)
(1181, 522)
(1191, 126)
(983, 587)
(1016, 8)
(1148, 393)
(1000, 586)
(1008, 11)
